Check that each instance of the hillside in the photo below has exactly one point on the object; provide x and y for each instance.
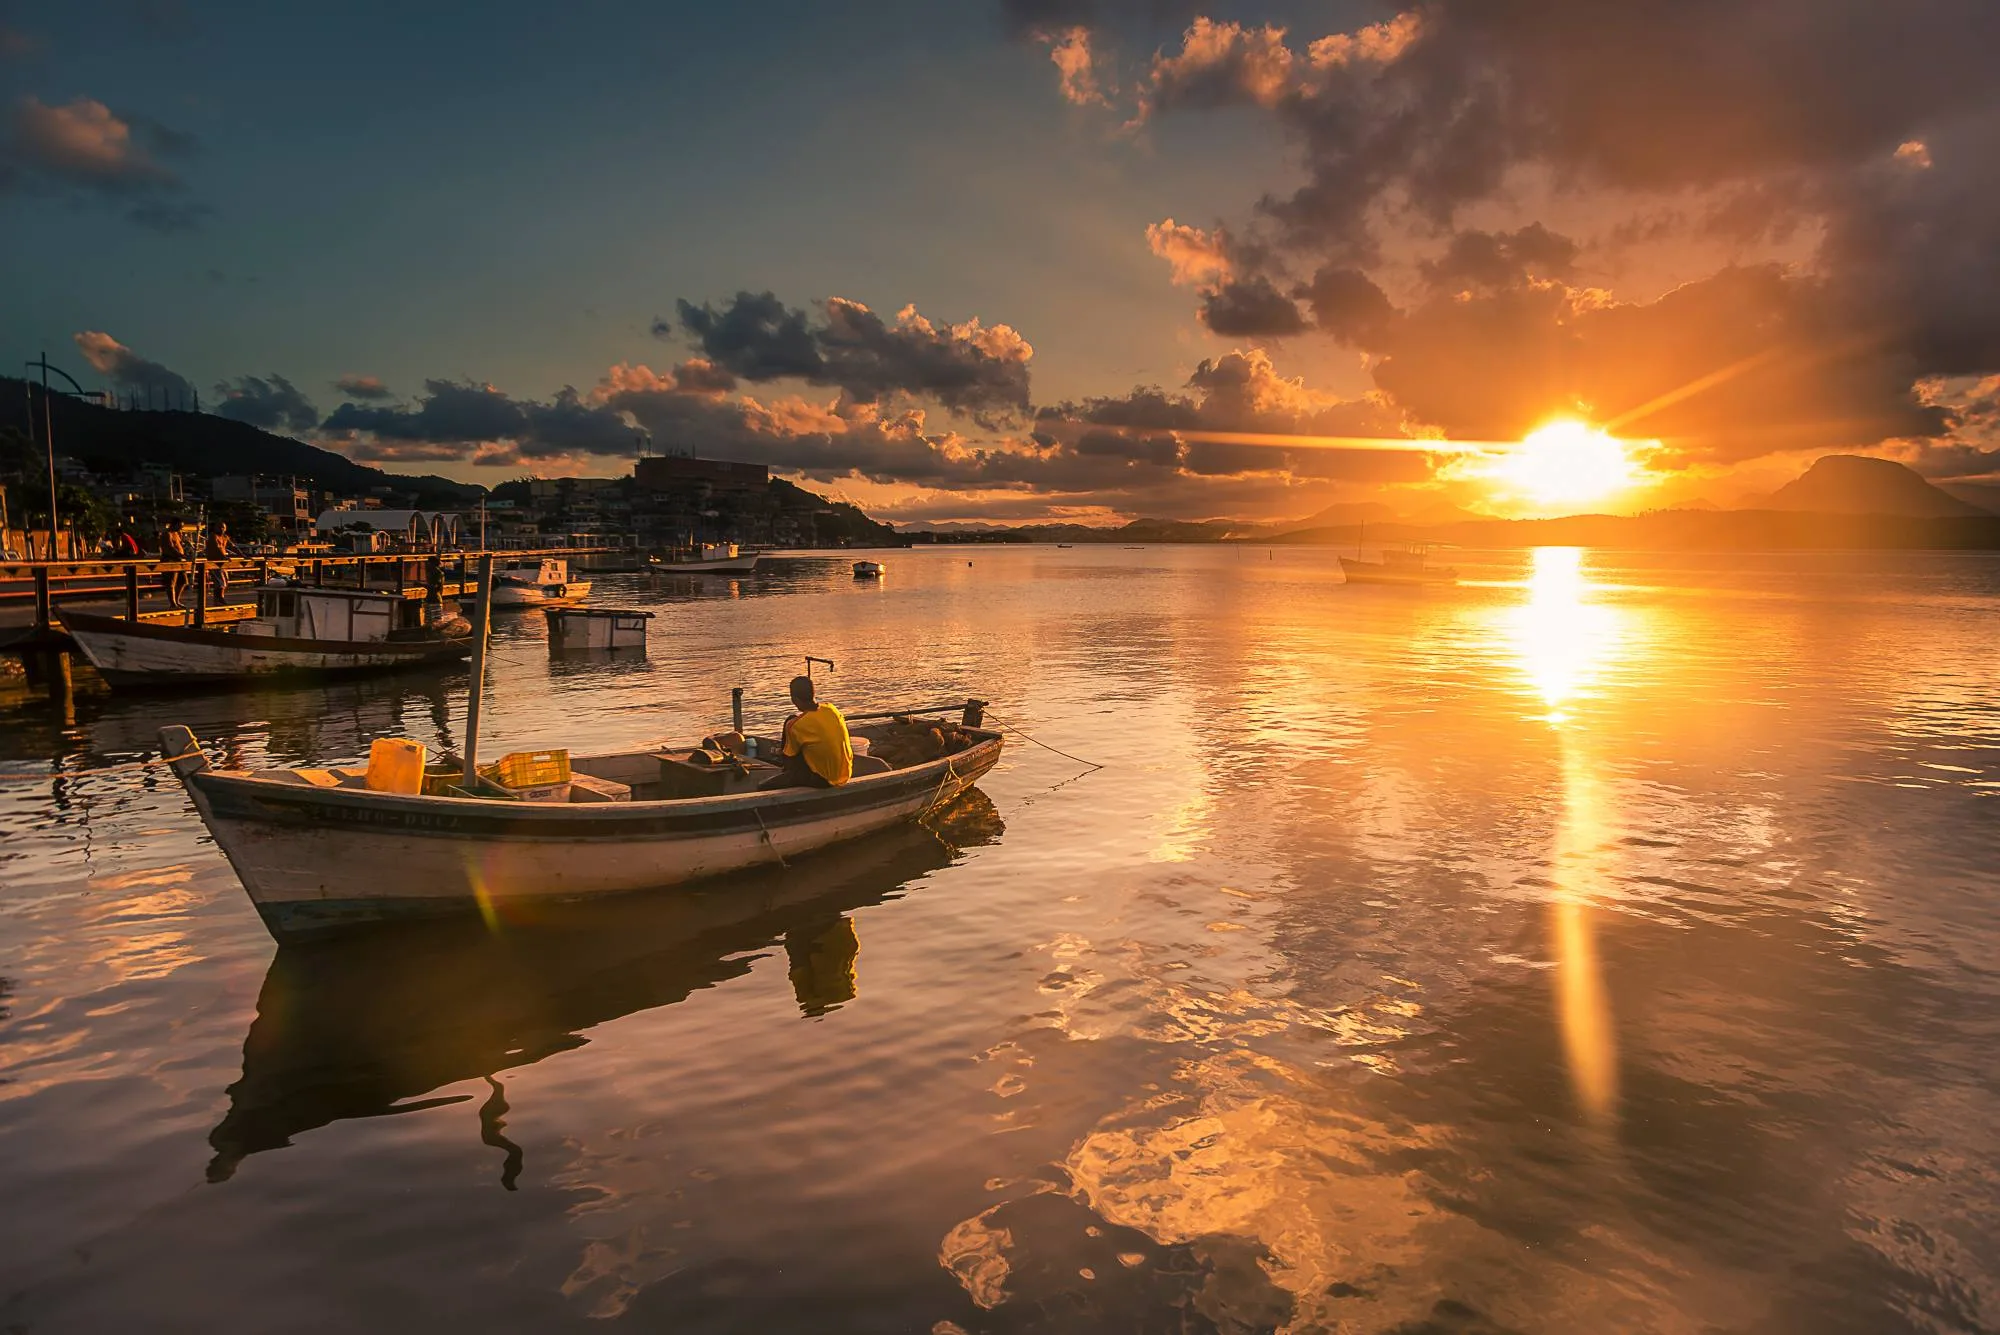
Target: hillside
(1854, 484)
(113, 441)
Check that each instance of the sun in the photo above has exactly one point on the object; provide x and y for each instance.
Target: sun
(1567, 462)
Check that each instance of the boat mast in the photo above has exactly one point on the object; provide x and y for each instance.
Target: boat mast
(482, 618)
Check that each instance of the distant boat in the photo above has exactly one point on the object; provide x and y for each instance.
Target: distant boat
(537, 584)
(297, 632)
(1064, 546)
(871, 569)
(1406, 566)
(711, 558)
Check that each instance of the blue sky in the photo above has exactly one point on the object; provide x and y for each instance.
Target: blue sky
(495, 192)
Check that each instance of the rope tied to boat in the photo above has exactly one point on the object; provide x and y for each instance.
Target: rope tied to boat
(152, 763)
(1091, 766)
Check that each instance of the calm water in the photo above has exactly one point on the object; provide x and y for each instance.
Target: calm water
(1609, 944)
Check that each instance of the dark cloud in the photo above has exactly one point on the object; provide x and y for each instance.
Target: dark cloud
(463, 416)
(273, 404)
(1251, 308)
(1476, 260)
(755, 336)
(128, 371)
(1347, 304)
(367, 388)
(83, 150)
(970, 368)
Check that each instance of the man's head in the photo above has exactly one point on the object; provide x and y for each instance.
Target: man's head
(222, 528)
(802, 692)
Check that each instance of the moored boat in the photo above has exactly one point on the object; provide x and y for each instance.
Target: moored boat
(711, 558)
(1407, 566)
(297, 632)
(318, 849)
(869, 570)
(537, 584)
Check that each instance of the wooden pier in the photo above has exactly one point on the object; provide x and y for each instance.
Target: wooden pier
(32, 593)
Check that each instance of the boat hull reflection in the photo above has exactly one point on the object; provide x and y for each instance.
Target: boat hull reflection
(371, 1024)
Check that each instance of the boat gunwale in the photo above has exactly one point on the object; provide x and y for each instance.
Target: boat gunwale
(786, 805)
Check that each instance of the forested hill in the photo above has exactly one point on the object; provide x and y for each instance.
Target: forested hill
(110, 440)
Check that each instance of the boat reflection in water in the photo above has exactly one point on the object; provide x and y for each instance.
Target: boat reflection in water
(371, 1024)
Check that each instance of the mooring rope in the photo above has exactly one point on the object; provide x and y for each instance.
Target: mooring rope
(47, 775)
(1091, 765)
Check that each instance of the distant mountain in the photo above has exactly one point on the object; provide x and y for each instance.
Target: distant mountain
(1985, 495)
(110, 440)
(1855, 484)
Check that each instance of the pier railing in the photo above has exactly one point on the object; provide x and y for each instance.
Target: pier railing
(32, 591)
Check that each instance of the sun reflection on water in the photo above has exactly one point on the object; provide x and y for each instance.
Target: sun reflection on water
(1565, 641)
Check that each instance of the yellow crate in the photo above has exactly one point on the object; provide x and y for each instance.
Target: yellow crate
(529, 769)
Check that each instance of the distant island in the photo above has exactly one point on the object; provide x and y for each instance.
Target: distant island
(1841, 501)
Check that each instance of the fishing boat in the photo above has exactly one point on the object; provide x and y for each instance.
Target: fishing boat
(1405, 566)
(872, 569)
(710, 558)
(537, 584)
(319, 849)
(297, 631)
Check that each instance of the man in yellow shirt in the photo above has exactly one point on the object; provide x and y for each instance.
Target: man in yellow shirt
(818, 752)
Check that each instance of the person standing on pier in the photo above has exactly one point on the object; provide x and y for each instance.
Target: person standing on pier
(218, 552)
(172, 548)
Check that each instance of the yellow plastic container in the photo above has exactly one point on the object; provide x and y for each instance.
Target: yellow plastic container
(531, 769)
(396, 765)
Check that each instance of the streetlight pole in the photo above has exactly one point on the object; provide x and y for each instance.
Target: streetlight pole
(48, 432)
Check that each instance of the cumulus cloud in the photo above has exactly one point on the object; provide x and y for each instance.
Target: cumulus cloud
(1070, 51)
(129, 371)
(971, 368)
(367, 388)
(83, 149)
(273, 403)
(1251, 308)
(1199, 258)
(458, 417)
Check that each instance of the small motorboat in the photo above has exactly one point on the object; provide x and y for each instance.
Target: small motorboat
(870, 569)
(710, 558)
(537, 584)
(297, 631)
(1407, 566)
(320, 849)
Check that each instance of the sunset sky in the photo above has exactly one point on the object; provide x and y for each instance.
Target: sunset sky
(1035, 258)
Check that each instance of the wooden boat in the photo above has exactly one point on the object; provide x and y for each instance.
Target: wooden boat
(368, 1023)
(711, 558)
(537, 584)
(1406, 566)
(318, 849)
(872, 569)
(296, 632)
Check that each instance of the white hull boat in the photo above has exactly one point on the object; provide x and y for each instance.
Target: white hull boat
(545, 583)
(319, 849)
(715, 558)
(298, 632)
(869, 570)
